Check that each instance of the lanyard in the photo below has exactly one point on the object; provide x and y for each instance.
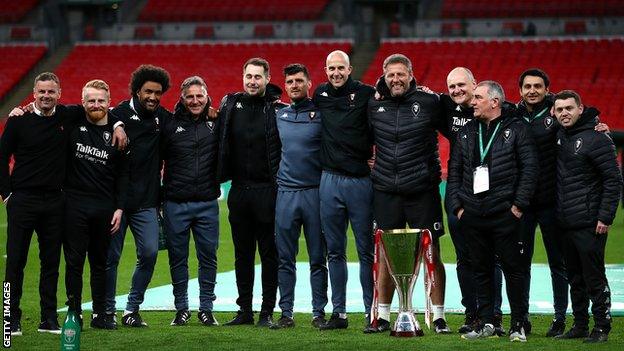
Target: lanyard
(489, 144)
(528, 118)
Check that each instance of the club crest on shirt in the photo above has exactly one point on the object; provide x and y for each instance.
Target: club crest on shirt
(312, 114)
(210, 125)
(578, 143)
(548, 122)
(415, 109)
(107, 137)
(156, 120)
(351, 97)
(507, 134)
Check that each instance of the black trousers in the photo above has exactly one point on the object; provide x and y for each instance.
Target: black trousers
(584, 254)
(553, 239)
(489, 238)
(41, 212)
(87, 231)
(252, 219)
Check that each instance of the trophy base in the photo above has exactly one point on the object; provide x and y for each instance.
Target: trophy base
(406, 326)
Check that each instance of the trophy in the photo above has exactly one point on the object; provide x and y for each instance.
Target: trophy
(403, 254)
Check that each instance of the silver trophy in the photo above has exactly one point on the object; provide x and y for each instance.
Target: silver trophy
(402, 252)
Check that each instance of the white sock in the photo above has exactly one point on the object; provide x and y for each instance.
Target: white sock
(342, 315)
(383, 311)
(438, 312)
(126, 312)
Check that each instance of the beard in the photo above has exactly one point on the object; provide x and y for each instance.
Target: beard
(96, 115)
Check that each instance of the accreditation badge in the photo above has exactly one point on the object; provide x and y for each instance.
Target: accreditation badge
(481, 179)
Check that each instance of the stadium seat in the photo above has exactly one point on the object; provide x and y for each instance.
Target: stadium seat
(20, 33)
(15, 62)
(14, 11)
(144, 32)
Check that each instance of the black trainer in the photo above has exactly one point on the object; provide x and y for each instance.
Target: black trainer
(468, 325)
(16, 328)
(265, 320)
(335, 322)
(527, 326)
(111, 319)
(206, 318)
(103, 321)
(50, 325)
(241, 318)
(133, 319)
(557, 327)
(382, 326)
(181, 318)
(283, 322)
(498, 325)
(441, 327)
(575, 332)
(597, 336)
(318, 321)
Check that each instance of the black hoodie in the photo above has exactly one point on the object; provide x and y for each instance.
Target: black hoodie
(589, 182)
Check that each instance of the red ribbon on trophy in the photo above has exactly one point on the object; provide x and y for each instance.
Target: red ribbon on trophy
(429, 267)
(374, 309)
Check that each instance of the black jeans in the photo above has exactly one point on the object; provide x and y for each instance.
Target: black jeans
(467, 284)
(553, 239)
(87, 231)
(252, 219)
(41, 212)
(586, 273)
(489, 238)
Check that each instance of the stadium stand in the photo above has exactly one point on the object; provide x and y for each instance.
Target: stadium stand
(590, 66)
(530, 8)
(14, 11)
(15, 62)
(220, 64)
(232, 10)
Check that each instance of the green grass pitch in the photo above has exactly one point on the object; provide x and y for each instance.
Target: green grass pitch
(159, 335)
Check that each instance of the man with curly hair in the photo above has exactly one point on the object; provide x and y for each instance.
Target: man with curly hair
(142, 115)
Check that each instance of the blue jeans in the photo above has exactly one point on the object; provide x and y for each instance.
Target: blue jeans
(294, 209)
(203, 218)
(144, 226)
(345, 199)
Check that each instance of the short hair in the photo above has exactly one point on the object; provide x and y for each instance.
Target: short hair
(398, 58)
(47, 76)
(148, 73)
(96, 84)
(341, 53)
(193, 80)
(535, 72)
(567, 94)
(495, 90)
(257, 61)
(295, 68)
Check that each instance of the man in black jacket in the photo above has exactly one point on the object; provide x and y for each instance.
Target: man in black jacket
(95, 188)
(458, 111)
(491, 180)
(589, 186)
(249, 155)
(534, 111)
(406, 173)
(346, 191)
(142, 115)
(189, 148)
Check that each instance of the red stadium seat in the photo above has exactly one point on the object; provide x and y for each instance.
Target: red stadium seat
(20, 33)
(15, 62)
(530, 8)
(144, 32)
(14, 11)
(204, 32)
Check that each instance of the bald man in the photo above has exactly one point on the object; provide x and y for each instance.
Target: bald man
(346, 191)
